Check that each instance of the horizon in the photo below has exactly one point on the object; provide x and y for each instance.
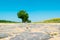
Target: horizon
(38, 10)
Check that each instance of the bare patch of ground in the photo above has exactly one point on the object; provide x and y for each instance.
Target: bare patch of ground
(17, 30)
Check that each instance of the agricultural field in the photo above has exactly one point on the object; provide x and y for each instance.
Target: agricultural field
(29, 31)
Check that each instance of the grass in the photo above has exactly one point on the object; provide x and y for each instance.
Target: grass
(54, 20)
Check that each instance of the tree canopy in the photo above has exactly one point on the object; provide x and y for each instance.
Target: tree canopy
(23, 15)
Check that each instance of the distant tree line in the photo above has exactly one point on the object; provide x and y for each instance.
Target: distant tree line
(7, 21)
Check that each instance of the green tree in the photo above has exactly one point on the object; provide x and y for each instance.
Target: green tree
(23, 15)
(29, 21)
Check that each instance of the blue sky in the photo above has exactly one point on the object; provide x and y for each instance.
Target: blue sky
(37, 9)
